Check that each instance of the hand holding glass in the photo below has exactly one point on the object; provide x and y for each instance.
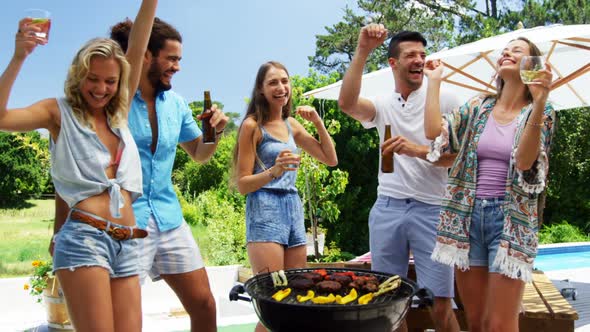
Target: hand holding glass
(40, 18)
(530, 68)
(294, 154)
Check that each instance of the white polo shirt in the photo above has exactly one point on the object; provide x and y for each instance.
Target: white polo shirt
(412, 177)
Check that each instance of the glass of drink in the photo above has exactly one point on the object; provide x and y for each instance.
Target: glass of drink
(294, 153)
(530, 68)
(40, 18)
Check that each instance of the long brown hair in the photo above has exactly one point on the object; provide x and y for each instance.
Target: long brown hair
(534, 51)
(259, 110)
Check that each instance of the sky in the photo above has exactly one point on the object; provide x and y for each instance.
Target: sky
(224, 41)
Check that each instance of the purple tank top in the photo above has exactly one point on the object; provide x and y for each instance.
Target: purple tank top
(493, 158)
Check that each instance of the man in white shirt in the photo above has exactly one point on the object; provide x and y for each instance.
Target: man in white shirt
(405, 215)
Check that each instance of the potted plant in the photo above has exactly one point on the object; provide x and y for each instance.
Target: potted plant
(43, 285)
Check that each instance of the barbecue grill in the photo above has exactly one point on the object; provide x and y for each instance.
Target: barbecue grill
(383, 313)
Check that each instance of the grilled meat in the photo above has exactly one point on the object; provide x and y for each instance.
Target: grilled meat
(328, 286)
(301, 284)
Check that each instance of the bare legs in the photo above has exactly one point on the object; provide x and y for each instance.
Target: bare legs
(193, 290)
(269, 256)
(98, 303)
(491, 300)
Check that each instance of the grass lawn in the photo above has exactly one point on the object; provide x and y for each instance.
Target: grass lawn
(24, 236)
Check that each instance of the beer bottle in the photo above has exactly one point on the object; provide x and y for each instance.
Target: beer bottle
(208, 130)
(387, 158)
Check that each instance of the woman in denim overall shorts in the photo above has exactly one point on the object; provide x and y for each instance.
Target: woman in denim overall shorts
(266, 163)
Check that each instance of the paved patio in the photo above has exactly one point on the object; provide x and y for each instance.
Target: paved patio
(579, 278)
(162, 312)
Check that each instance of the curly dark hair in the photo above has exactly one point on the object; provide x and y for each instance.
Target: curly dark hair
(161, 32)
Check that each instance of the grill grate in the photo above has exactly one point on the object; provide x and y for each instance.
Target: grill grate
(262, 287)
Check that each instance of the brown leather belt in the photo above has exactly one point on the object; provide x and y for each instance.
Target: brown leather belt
(115, 231)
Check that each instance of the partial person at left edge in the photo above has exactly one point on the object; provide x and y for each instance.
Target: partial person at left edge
(94, 167)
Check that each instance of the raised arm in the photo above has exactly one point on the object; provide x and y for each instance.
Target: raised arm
(42, 114)
(138, 41)
(530, 141)
(322, 150)
(370, 37)
(432, 115)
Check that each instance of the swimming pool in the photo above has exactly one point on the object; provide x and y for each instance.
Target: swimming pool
(563, 256)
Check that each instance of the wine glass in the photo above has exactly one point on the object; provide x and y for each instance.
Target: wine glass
(40, 18)
(530, 68)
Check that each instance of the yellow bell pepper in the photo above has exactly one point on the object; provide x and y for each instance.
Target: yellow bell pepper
(324, 299)
(366, 298)
(309, 296)
(282, 294)
(348, 298)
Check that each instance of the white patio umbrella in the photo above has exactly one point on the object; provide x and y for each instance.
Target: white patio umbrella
(470, 68)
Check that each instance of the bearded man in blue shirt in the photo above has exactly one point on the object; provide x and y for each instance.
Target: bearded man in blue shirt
(159, 120)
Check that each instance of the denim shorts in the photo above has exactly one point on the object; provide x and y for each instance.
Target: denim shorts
(170, 252)
(78, 244)
(275, 216)
(485, 232)
(397, 226)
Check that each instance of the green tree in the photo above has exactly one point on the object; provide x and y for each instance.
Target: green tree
(24, 159)
(193, 178)
(357, 156)
(335, 50)
(568, 193)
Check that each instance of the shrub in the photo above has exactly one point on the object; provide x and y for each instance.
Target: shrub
(24, 159)
(225, 239)
(563, 232)
(332, 254)
(194, 178)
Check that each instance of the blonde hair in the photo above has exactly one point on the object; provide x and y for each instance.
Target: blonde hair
(117, 106)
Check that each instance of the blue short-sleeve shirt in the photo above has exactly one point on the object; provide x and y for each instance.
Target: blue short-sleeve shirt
(175, 125)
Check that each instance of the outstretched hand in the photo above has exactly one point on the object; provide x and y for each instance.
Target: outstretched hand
(372, 36)
(26, 39)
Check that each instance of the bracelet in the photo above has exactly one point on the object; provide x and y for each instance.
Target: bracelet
(220, 132)
(540, 125)
(272, 176)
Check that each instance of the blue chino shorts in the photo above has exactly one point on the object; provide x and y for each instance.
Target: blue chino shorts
(78, 244)
(275, 216)
(397, 226)
(485, 232)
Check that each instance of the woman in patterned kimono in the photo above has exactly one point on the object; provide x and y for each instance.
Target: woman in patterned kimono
(488, 220)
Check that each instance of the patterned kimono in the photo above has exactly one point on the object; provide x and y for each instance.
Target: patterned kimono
(518, 245)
